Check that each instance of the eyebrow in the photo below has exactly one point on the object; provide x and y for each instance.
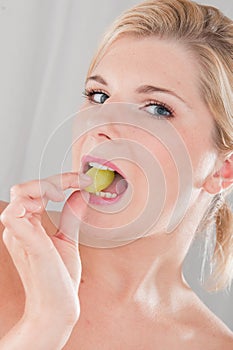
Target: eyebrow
(144, 89)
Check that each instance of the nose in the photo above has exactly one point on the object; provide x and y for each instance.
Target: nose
(104, 122)
(106, 132)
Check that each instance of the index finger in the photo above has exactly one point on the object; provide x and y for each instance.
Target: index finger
(51, 185)
(70, 180)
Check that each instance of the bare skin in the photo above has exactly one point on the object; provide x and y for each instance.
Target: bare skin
(106, 322)
(129, 299)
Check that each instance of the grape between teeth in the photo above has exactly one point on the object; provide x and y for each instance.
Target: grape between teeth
(101, 179)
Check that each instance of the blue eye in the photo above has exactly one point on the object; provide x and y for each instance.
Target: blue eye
(158, 109)
(99, 97)
(155, 108)
(95, 96)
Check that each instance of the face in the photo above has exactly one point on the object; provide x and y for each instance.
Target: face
(160, 79)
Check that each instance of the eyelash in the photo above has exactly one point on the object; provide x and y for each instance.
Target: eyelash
(88, 93)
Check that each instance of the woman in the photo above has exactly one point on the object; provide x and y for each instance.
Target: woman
(172, 59)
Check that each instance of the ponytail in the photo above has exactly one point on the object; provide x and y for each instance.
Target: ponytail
(223, 252)
(220, 216)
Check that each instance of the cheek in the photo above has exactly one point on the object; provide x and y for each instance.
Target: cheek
(202, 154)
(181, 166)
(163, 185)
(196, 133)
(203, 166)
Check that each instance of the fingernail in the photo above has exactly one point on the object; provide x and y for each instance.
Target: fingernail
(21, 211)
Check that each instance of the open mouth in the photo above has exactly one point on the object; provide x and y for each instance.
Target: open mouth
(108, 181)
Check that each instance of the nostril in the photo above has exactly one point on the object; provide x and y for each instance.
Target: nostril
(102, 134)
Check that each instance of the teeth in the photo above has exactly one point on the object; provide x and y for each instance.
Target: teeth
(100, 166)
(106, 194)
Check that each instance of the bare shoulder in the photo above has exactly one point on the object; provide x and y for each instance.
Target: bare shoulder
(3, 205)
(222, 334)
(227, 343)
(213, 333)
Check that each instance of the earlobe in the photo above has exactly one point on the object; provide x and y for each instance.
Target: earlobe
(226, 172)
(212, 184)
(221, 179)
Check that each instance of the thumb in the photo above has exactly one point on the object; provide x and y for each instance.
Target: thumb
(72, 215)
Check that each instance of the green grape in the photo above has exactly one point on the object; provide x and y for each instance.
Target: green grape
(101, 179)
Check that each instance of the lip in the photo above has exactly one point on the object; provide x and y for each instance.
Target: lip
(98, 200)
(103, 201)
(87, 159)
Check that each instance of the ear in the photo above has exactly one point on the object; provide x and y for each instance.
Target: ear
(221, 179)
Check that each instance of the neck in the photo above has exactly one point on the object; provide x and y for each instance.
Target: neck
(145, 270)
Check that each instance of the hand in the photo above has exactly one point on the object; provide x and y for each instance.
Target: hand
(49, 267)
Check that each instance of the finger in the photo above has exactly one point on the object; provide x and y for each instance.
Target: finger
(32, 237)
(70, 180)
(18, 208)
(72, 216)
(51, 187)
(40, 190)
(40, 274)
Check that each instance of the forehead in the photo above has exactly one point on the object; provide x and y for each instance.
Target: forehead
(131, 62)
(150, 59)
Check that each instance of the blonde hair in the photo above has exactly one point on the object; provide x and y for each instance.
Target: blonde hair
(208, 34)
